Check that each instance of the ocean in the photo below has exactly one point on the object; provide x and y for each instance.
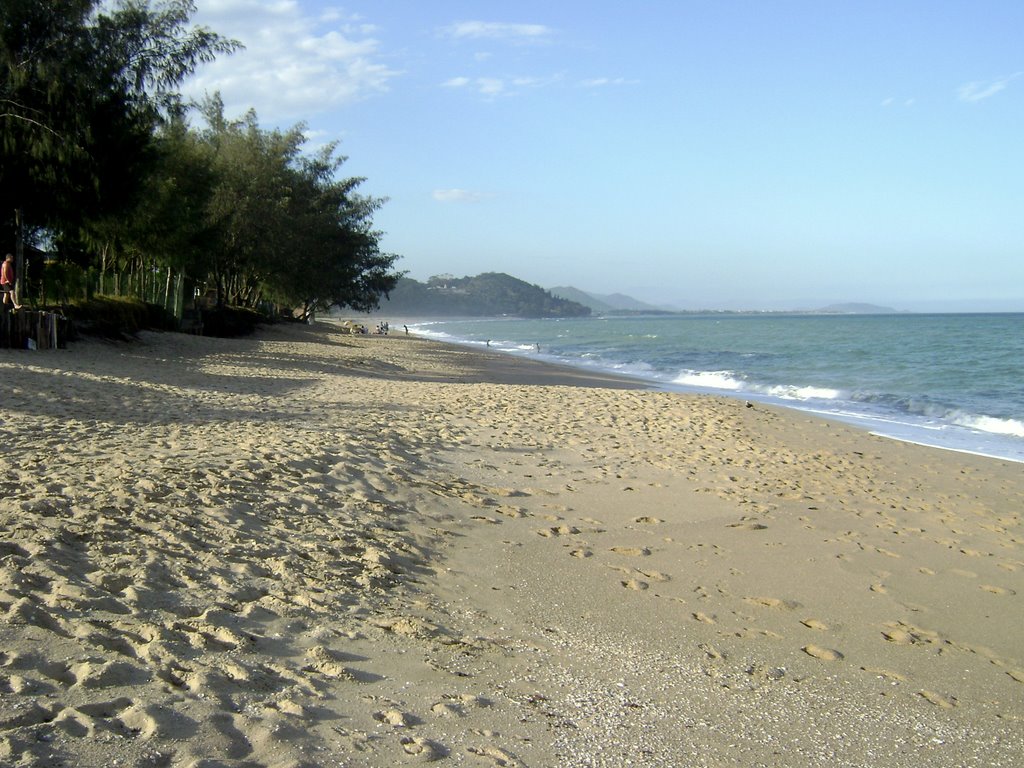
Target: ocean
(953, 381)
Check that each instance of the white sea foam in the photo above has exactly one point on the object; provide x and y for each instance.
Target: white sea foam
(728, 381)
(1011, 427)
(709, 380)
(789, 392)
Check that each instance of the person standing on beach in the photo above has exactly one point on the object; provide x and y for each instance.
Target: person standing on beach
(7, 281)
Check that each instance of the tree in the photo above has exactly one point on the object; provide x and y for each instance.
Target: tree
(334, 257)
(95, 153)
(81, 91)
(287, 229)
(167, 231)
(250, 204)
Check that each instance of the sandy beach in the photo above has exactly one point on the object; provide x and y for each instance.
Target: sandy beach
(313, 549)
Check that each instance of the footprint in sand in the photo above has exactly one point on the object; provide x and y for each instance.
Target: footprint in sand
(646, 520)
(514, 512)
(497, 756)
(424, 749)
(703, 618)
(906, 634)
(815, 624)
(997, 590)
(712, 652)
(635, 584)
(900, 637)
(748, 525)
(395, 718)
(447, 709)
(825, 654)
(938, 699)
(633, 551)
(886, 674)
(772, 602)
(581, 553)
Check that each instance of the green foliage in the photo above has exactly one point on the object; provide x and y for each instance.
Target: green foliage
(98, 161)
(63, 281)
(115, 317)
(81, 84)
(285, 228)
(485, 295)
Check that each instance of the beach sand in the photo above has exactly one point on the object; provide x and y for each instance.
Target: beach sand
(311, 549)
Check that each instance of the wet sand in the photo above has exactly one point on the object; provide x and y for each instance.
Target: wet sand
(308, 549)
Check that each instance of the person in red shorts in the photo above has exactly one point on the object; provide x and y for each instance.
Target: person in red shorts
(7, 281)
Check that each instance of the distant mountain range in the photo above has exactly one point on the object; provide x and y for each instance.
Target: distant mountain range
(621, 304)
(857, 309)
(494, 294)
(607, 303)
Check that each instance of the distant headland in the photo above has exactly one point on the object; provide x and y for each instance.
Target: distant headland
(496, 294)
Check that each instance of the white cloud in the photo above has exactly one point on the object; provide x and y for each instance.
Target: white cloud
(891, 101)
(603, 82)
(490, 86)
(227, 7)
(492, 30)
(294, 64)
(458, 196)
(496, 86)
(485, 86)
(979, 89)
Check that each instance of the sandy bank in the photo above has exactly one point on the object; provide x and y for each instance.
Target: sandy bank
(313, 549)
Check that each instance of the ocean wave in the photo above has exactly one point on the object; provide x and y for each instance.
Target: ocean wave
(730, 382)
(793, 392)
(996, 426)
(942, 413)
(709, 379)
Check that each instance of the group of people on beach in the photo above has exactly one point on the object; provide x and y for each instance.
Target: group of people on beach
(8, 282)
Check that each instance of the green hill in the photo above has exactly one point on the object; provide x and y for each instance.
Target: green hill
(491, 294)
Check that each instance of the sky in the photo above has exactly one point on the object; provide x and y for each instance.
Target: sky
(700, 154)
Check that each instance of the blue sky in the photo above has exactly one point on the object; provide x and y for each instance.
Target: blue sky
(733, 155)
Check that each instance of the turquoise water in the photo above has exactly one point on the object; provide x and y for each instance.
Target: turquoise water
(951, 381)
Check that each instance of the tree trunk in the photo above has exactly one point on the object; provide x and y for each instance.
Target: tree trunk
(167, 291)
(19, 252)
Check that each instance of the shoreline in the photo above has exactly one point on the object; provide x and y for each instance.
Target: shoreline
(309, 549)
(951, 435)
